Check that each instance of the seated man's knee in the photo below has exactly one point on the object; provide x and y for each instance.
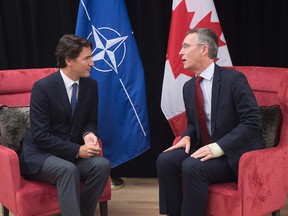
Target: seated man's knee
(168, 162)
(162, 160)
(102, 164)
(191, 166)
(70, 169)
(105, 163)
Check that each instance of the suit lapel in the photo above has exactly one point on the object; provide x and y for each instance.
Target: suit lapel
(192, 104)
(61, 89)
(82, 91)
(215, 95)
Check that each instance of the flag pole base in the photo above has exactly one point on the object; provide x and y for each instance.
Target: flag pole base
(116, 183)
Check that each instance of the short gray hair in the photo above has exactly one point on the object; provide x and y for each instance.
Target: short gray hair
(207, 36)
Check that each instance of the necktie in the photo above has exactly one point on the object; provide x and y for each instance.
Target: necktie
(74, 97)
(199, 100)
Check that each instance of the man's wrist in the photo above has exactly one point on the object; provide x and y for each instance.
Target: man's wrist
(215, 150)
(86, 133)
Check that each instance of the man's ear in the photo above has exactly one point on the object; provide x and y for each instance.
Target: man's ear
(205, 50)
(68, 61)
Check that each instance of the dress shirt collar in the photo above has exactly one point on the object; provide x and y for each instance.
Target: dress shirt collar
(67, 81)
(208, 72)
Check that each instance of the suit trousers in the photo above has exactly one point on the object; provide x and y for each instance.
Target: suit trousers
(183, 181)
(67, 175)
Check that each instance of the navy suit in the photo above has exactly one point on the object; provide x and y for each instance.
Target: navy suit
(55, 137)
(235, 126)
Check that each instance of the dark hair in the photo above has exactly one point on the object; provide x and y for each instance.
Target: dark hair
(70, 46)
(207, 36)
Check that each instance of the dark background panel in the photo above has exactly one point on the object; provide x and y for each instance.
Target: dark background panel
(256, 33)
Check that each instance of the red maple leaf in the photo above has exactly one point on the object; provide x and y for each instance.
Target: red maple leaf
(215, 26)
(180, 24)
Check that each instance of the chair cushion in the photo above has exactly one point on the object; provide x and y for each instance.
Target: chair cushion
(271, 117)
(43, 195)
(45, 198)
(224, 199)
(14, 122)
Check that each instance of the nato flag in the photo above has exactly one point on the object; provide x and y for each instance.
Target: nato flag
(123, 120)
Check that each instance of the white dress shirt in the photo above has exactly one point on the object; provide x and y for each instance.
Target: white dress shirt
(68, 84)
(206, 86)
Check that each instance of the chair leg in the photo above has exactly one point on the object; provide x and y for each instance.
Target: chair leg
(276, 213)
(5, 211)
(103, 208)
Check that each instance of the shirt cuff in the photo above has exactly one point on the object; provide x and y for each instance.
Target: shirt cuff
(86, 134)
(216, 150)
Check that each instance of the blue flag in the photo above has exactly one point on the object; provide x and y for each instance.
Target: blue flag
(123, 120)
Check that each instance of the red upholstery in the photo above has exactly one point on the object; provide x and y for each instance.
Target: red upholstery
(25, 197)
(262, 182)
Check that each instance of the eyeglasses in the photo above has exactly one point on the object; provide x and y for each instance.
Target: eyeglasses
(186, 46)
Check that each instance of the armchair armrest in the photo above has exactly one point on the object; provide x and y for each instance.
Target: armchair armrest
(101, 145)
(10, 179)
(260, 173)
(176, 140)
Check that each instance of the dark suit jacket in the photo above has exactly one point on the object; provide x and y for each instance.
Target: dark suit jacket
(53, 130)
(235, 116)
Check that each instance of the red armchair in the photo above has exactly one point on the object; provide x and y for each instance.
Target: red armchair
(20, 196)
(262, 179)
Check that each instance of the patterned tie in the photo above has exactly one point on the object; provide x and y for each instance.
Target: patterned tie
(199, 100)
(74, 97)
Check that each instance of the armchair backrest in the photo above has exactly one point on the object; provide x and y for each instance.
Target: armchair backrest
(270, 87)
(16, 85)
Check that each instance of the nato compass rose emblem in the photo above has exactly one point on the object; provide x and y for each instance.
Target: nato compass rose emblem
(110, 49)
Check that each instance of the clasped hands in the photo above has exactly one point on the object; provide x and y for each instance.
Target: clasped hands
(204, 153)
(91, 147)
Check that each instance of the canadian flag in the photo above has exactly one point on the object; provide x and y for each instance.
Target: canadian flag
(186, 14)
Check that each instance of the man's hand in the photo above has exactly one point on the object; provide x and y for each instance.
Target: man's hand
(88, 151)
(204, 153)
(91, 139)
(91, 147)
(183, 143)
